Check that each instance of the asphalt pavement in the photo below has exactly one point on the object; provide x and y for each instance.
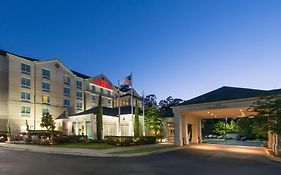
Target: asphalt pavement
(194, 160)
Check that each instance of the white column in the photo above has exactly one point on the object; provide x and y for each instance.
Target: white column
(269, 142)
(185, 130)
(199, 130)
(178, 127)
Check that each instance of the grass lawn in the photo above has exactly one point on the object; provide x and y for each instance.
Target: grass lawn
(144, 150)
(85, 145)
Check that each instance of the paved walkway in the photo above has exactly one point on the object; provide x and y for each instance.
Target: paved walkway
(81, 151)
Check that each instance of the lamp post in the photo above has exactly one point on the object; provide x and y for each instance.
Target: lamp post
(225, 129)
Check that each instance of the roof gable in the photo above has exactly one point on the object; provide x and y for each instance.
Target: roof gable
(103, 81)
(229, 93)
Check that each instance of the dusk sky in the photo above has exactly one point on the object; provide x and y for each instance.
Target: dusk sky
(178, 48)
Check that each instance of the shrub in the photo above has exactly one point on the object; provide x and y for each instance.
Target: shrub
(70, 139)
(129, 140)
(43, 133)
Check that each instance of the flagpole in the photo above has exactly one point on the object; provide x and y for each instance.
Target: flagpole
(132, 104)
(119, 109)
(143, 114)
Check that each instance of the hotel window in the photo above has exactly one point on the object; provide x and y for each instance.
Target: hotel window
(45, 86)
(25, 96)
(46, 110)
(25, 110)
(93, 89)
(79, 105)
(94, 98)
(101, 91)
(25, 68)
(66, 91)
(45, 73)
(66, 102)
(79, 84)
(25, 82)
(108, 93)
(109, 102)
(46, 99)
(79, 95)
(66, 79)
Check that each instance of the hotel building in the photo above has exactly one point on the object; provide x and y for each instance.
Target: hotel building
(30, 87)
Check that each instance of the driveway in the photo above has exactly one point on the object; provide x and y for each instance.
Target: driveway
(193, 160)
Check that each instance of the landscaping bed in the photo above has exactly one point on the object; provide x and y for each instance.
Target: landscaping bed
(129, 140)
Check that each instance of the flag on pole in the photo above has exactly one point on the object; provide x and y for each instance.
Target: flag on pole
(127, 81)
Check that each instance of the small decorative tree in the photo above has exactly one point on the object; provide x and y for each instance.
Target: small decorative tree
(99, 122)
(154, 122)
(48, 122)
(137, 122)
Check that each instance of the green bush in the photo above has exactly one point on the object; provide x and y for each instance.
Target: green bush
(129, 140)
(70, 139)
(43, 133)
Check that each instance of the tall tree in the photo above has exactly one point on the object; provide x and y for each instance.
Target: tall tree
(150, 101)
(99, 123)
(165, 105)
(137, 122)
(267, 115)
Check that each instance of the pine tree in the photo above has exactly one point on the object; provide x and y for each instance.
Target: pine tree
(137, 123)
(99, 122)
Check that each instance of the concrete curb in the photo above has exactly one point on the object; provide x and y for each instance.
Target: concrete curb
(271, 157)
(101, 155)
(148, 153)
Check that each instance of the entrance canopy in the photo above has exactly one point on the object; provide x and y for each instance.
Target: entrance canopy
(225, 102)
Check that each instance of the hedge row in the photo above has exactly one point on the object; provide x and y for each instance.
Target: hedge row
(129, 140)
(41, 133)
(70, 139)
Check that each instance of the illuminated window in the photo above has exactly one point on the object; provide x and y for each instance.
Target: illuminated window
(25, 110)
(25, 95)
(45, 73)
(46, 99)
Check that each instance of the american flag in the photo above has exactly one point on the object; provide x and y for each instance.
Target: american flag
(127, 81)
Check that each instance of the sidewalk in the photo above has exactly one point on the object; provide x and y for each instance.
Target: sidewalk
(81, 151)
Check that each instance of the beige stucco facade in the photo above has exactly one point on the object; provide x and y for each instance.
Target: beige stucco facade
(26, 92)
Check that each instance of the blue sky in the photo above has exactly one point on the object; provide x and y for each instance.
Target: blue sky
(179, 48)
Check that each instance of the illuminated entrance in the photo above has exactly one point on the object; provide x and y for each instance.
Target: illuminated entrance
(225, 102)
